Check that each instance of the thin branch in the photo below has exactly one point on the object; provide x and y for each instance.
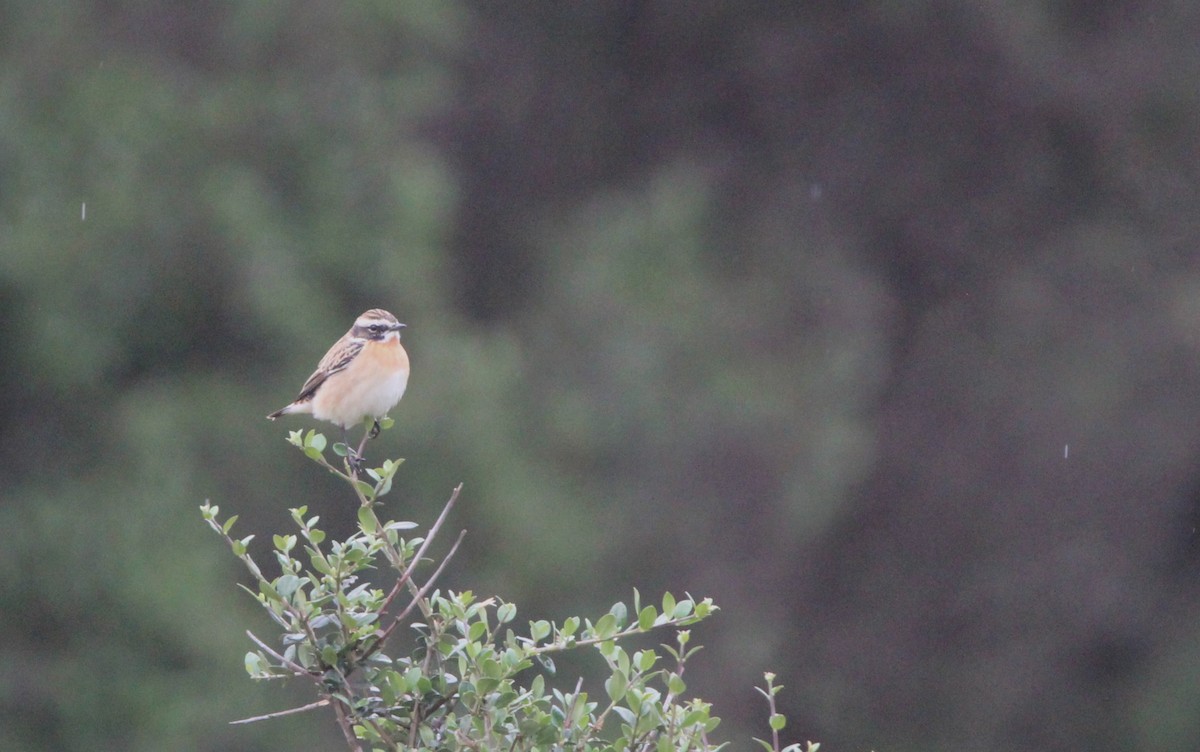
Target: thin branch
(555, 647)
(417, 599)
(282, 713)
(295, 667)
(571, 708)
(347, 726)
(424, 590)
(433, 531)
(414, 723)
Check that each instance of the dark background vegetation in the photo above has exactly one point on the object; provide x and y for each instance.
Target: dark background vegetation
(876, 321)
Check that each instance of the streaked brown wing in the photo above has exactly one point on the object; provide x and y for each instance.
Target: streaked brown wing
(339, 356)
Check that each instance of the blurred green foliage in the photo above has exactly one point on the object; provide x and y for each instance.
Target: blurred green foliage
(876, 322)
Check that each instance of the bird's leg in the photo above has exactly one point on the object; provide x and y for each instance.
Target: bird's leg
(353, 458)
(368, 433)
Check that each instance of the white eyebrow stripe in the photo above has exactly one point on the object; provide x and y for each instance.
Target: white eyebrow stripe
(370, 318)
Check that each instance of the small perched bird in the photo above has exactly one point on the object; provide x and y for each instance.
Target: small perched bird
(361, 377)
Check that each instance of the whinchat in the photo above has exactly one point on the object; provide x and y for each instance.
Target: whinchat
(361, 378)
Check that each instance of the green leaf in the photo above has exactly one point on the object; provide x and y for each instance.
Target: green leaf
(366, 519)
(329, 655)
(340, 449)
(615, 686)
(506, 613)
(777, 721)
(646, 618)
(538, 630)
(622, 660)
(570, 626)
(675, 684)
(413, 676)
(239, 548)
(486, 685)
(668, 603)
(385, 423)
(383, 487)
(478, 629)
(403, 525)
(626, 715)
(319, 563)
(700, 715)
(609, 649)
(312, 453)
(287, 585)
(317, 441)
(620, 613)
(268, 590)
(256, 664)
(229, 524)
(491, 667)
(606, 627)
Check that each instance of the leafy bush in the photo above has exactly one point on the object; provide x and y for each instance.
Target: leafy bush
(469, 681)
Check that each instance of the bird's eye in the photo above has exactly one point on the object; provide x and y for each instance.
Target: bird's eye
(375, 328)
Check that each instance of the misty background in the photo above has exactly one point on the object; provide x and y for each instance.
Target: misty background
(877, 322)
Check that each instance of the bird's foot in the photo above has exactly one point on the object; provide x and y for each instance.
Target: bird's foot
(374, 430)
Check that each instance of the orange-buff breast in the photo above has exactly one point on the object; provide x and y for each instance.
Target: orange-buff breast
(368, 388)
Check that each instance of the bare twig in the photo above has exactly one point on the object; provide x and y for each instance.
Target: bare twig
(347, 726)
(282, 713)
(414, 724)
(417, 599)
(424, 590)
(570, 710)
(295, 667)
(412, 566)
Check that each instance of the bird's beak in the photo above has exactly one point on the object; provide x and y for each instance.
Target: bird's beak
(396, 327)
